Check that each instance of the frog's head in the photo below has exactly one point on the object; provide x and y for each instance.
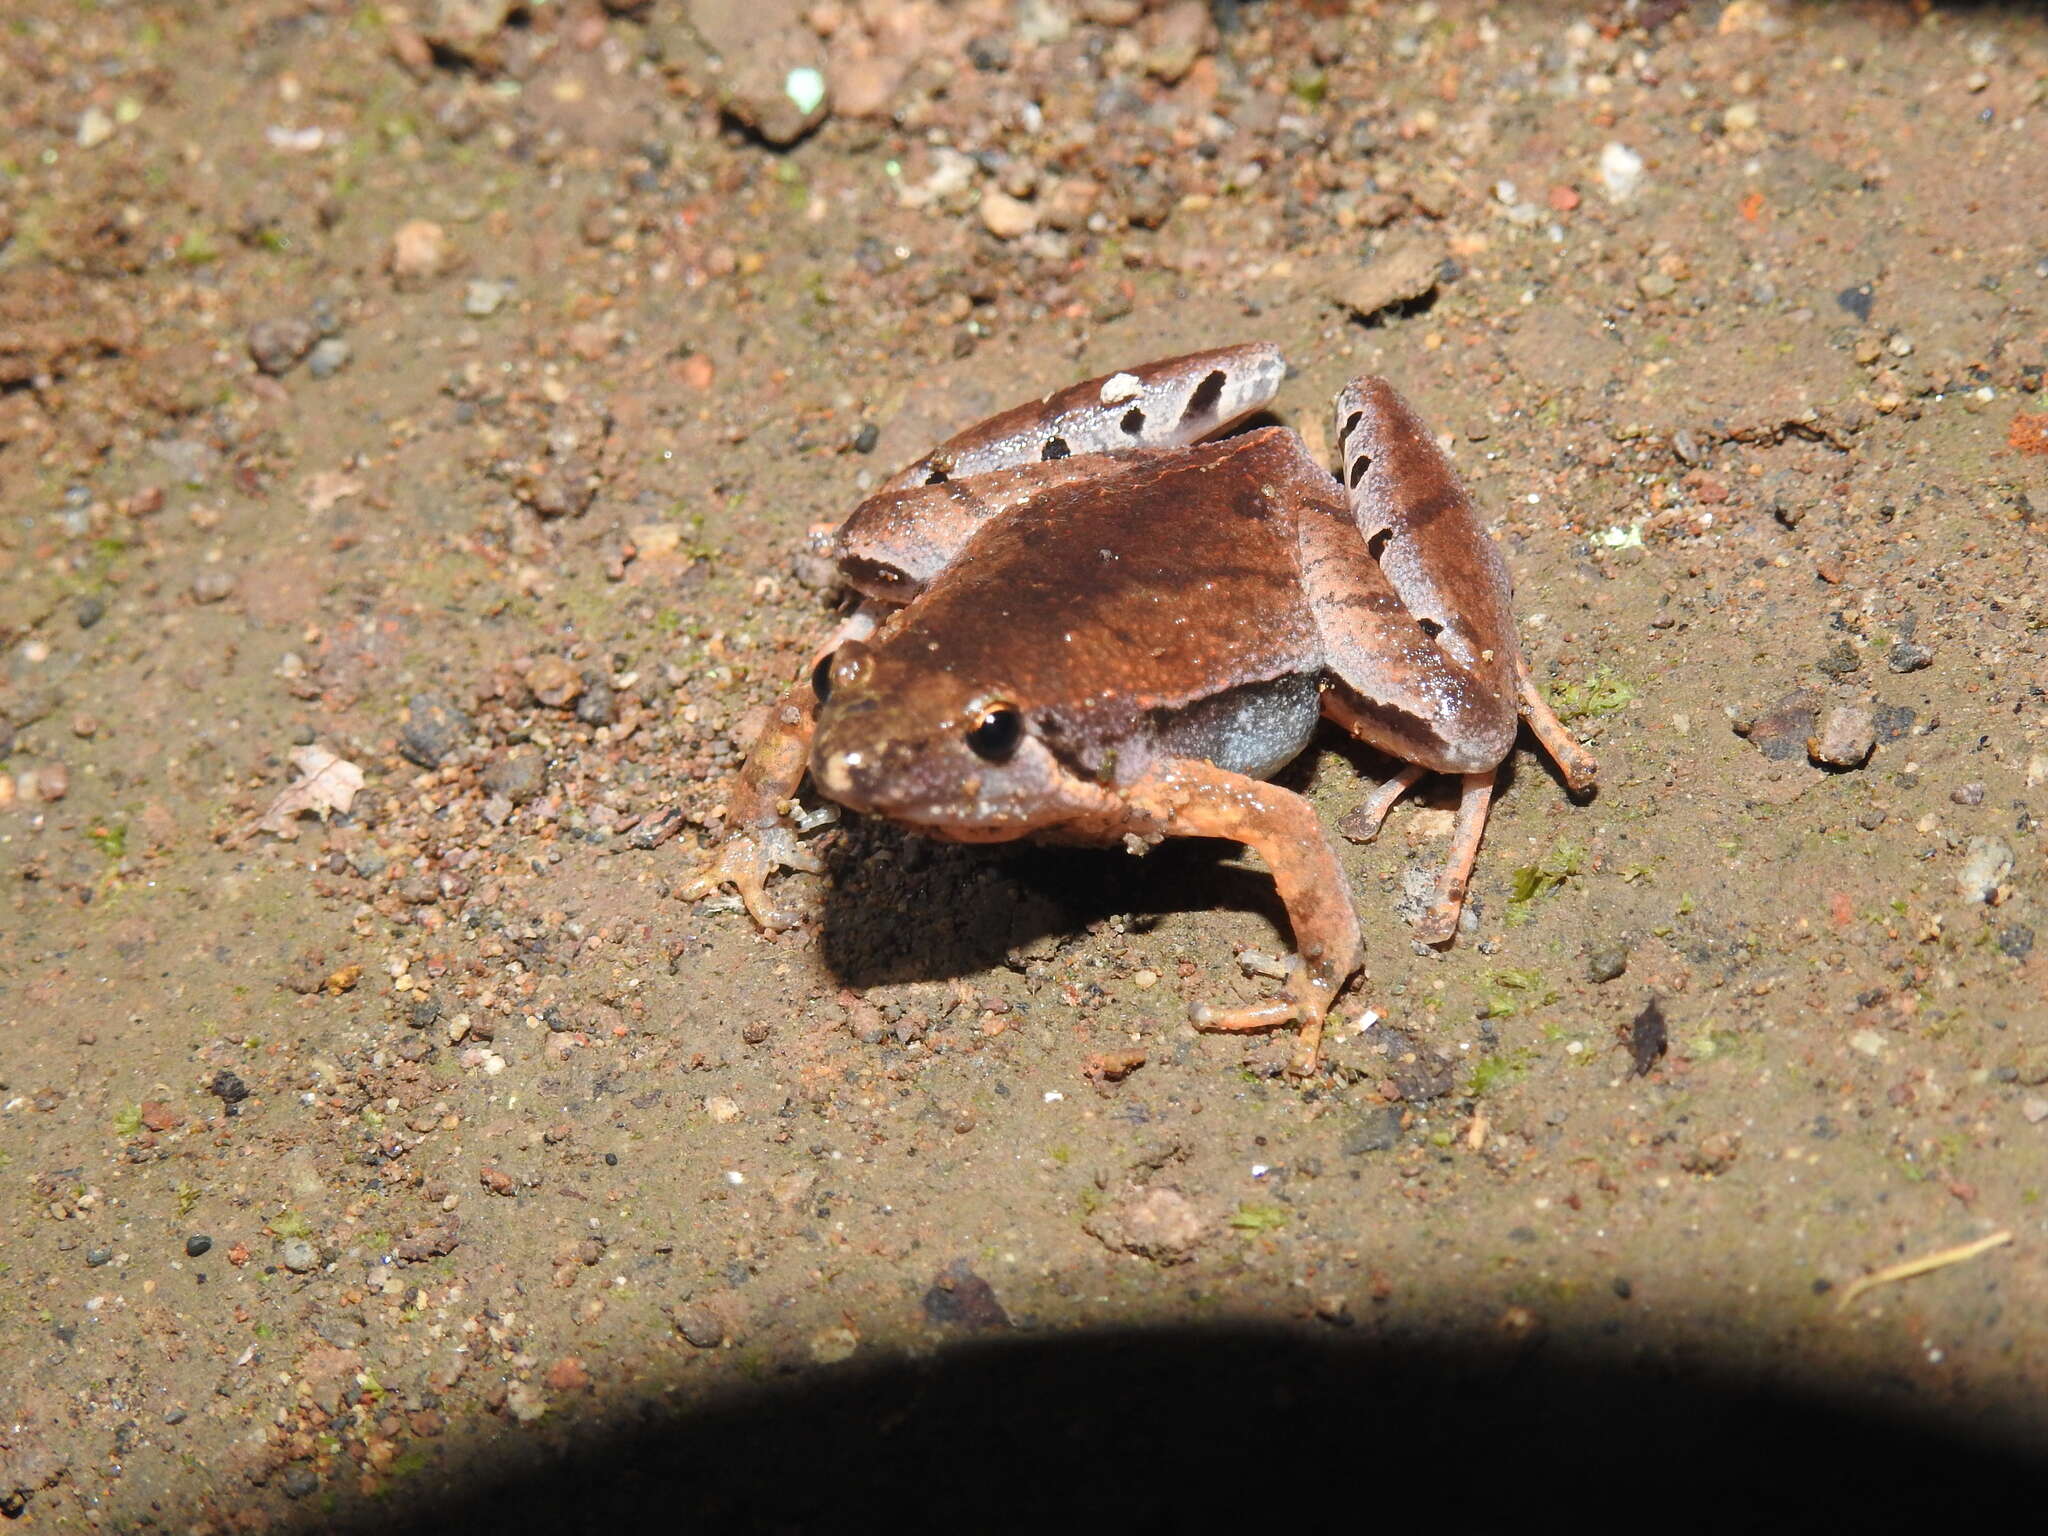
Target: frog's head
(924, 746)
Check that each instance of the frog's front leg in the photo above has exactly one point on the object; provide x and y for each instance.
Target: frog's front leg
(1185, 797)
(759, 837)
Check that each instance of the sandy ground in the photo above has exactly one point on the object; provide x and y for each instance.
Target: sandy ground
(427, 410)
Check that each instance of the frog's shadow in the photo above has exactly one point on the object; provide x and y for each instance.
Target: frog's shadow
(899, 907)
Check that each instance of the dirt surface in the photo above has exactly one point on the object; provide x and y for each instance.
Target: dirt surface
(428, 411)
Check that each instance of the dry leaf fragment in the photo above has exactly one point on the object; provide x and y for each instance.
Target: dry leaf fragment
(327, 782)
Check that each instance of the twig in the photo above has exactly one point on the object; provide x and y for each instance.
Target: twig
(1906, 1269)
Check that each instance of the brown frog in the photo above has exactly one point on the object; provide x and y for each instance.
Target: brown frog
(1095, 618)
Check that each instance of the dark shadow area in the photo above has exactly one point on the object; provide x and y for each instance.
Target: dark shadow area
(899, 907)
(1205, 1429)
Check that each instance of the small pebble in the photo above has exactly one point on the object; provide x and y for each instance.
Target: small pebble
(328, 357)
(90, 610)
(213, 584)
(433, 729)
(1657, 285)
(419, 251)
(95, 127)
(1985, 870)
(1007, 217)
(484, 297)
(1967, 794)
(1839, 660)
(1604, 962)
(1871, 819)
(298, 1255)
(1621, 172)
(554, 682)
(865, 439)
(95, 1257)
(520, 775)
(1845, 740)
(1908, 657)
(276, 346)
(197, 1245)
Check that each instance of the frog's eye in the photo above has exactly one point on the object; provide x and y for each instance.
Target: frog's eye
(821, 676)
(996, 732)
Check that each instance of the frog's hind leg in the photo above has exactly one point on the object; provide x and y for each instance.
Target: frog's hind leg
(1572, 759)
(1165, 404)
(1186, 797)
(1422, 529)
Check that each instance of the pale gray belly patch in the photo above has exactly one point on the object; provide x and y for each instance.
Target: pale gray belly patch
(1255, 730)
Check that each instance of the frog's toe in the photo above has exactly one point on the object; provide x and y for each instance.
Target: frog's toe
(1439, 925)
(745, 862)
(1267, 1015)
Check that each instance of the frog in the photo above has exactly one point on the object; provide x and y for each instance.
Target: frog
(1110, 616)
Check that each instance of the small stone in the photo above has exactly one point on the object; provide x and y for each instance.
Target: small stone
(340, 1330)
(1604, 962)
(1967, 794)
(95, 127)
(599, 704)
(2016, 942)
(1657, 285)
(1069, 202)
(1781, 732)
(1867, 1042)
(329, 356)
(1740, 118)
(865, 439)
(519, 776)
(2030, 1066)
(419, 252)
(276, 346)
(2034, 1109)
(1908, 657)
(1985, 869)
(1377, 1130)
(960, 1297)
(95, 1257)
(554, 682)
(433, 729)
(484, 297)
(89, 611)
(1156, 1222)
(1401, 274)
(1007, 217)
(1621, 172)
(722, 1110)
(298, 1255)
(197, 1245)
(1857, 300)
(1839, 660)
(1845, 740)
(567, 1374)
(1871, 819)
(213, 584)
(298, 1481)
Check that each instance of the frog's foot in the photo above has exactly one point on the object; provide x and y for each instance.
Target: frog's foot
(1573, 761)
(1439, 925)
(745, 862)
(1306, 1003)
(1363, 824)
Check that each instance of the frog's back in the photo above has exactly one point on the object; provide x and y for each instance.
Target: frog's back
(1170, 580)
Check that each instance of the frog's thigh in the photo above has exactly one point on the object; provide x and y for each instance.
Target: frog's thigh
(1396, 687)
(1422, 529)
(1163, 404)
(1185, 797)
